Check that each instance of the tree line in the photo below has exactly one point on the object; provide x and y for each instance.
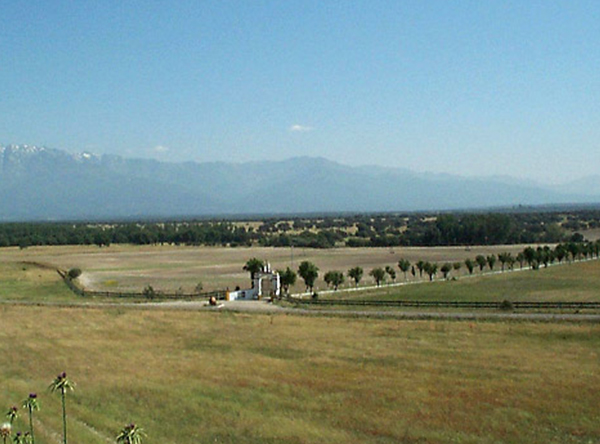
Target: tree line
(532, 257)
(383, 230)
(177, 233)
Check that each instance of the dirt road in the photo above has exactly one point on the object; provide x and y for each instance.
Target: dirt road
(260, 307)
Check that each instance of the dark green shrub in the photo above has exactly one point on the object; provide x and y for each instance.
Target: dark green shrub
(74, 273)
(149, 292)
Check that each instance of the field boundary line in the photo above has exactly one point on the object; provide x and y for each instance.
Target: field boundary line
(427, 281)
(400, 315)
(452, 304)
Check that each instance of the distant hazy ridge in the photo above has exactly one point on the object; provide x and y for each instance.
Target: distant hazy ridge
(39, 183)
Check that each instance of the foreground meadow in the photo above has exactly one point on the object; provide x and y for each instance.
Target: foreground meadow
(194, 377)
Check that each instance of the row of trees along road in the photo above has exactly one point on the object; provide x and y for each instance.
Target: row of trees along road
(532, 257)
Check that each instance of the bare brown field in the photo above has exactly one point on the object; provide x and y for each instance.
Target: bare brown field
(127, 267)
(592, 234)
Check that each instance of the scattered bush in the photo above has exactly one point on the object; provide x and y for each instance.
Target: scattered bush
(74, 273)
(149, 292)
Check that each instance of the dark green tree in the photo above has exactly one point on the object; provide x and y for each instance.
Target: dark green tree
(356, 274)
(574, 250)
(481, 261)
(560, 252)
(470, 265)
(391, 273)
(445, 269)
(378, 274)
(149, 292)
(102, 238)
(74, 273)
(309, 273)
(404, 266)
(287, 279)
(334, 278)
(491, 261)
(531, 256)
(456, 266)
(544, 255)
(521, 259)
(253, 266)
(596, 248)
(420, 266)
(431, 269)
(503, 258)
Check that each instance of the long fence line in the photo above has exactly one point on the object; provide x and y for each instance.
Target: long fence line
(218, 294)
(302, 299)
(451, 304)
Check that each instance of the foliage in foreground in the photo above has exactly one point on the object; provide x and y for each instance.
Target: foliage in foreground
(130, 434)
(234, 378)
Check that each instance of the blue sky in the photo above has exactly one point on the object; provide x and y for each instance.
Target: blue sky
(462, 87)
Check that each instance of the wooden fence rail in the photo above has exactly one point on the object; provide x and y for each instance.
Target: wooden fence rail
(219, 294)
(452, 304)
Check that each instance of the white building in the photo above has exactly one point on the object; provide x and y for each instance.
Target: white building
(266, 282)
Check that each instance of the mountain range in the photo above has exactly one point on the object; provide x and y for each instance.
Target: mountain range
(38, 183)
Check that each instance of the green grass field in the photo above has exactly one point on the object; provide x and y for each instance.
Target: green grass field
(571, 282)
(26, 282)
(231, 378)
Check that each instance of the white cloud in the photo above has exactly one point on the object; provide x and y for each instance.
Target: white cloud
(296, 128)
(160, 149)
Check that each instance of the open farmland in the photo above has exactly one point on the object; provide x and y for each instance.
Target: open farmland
(193, 377)
(198, 376)
(125, 267)
(576, 282)
(26, 282)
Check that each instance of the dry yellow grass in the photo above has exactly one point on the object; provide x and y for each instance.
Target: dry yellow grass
(124, 267)
(193, 377)
(207, 377)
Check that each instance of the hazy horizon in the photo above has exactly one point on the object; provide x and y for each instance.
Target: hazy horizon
(474, 89)
(424, 173)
